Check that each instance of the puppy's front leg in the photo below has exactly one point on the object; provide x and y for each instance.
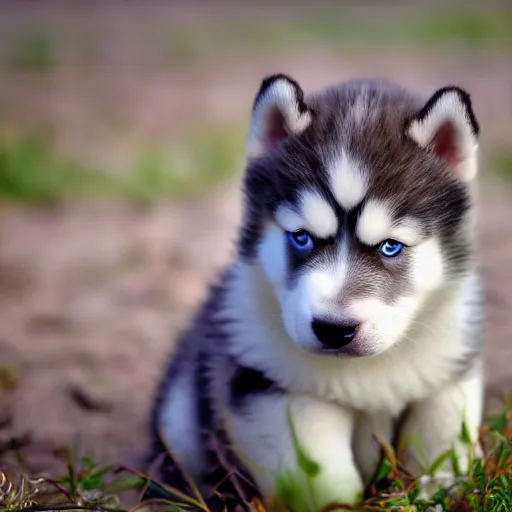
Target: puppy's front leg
(436, 423)
(260, 428)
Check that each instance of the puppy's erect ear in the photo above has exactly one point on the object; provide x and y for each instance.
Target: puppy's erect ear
(447, 126)
(279, 112)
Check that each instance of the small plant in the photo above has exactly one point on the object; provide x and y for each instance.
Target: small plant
(86, 486)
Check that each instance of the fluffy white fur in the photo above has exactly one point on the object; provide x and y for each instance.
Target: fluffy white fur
(280, 95)
(348, 181)
(374, 224)
(178, 423)
(427, 266)
(450, 109)
(288, 218)
(319, 217)
(408, 231)
(314, 214)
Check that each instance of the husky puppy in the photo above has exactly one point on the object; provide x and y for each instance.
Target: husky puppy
(354, 299)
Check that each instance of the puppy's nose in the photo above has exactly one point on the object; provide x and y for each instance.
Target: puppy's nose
(335, 335)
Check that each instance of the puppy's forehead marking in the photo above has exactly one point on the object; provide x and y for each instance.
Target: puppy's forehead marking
(318, 214)
(375, 223)
(347, 180)
(288, 218)
(408, 231)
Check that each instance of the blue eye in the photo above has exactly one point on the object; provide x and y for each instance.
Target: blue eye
(390, 248)
(301, 241)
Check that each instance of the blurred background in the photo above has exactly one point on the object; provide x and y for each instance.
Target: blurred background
(122, 132)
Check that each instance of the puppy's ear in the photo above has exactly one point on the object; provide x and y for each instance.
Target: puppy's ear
(447, 127)
(278, 112)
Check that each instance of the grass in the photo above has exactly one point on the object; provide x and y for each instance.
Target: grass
(340, 31)
(32, 52)
(89, 486)
(32, 171)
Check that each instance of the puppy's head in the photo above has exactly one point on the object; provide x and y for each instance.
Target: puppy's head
(358, 207)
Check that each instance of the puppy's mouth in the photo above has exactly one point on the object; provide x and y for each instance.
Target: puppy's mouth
(353, 350)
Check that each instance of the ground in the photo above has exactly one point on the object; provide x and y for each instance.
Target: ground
(93, 293)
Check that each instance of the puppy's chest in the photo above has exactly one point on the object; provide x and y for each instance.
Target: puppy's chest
(385, 387)
(380, 384)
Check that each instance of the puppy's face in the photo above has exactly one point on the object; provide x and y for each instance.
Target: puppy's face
(358, 208)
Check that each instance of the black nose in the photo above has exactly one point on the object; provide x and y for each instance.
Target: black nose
(335, 334)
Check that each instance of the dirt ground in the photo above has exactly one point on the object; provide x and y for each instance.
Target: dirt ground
(92, 296)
